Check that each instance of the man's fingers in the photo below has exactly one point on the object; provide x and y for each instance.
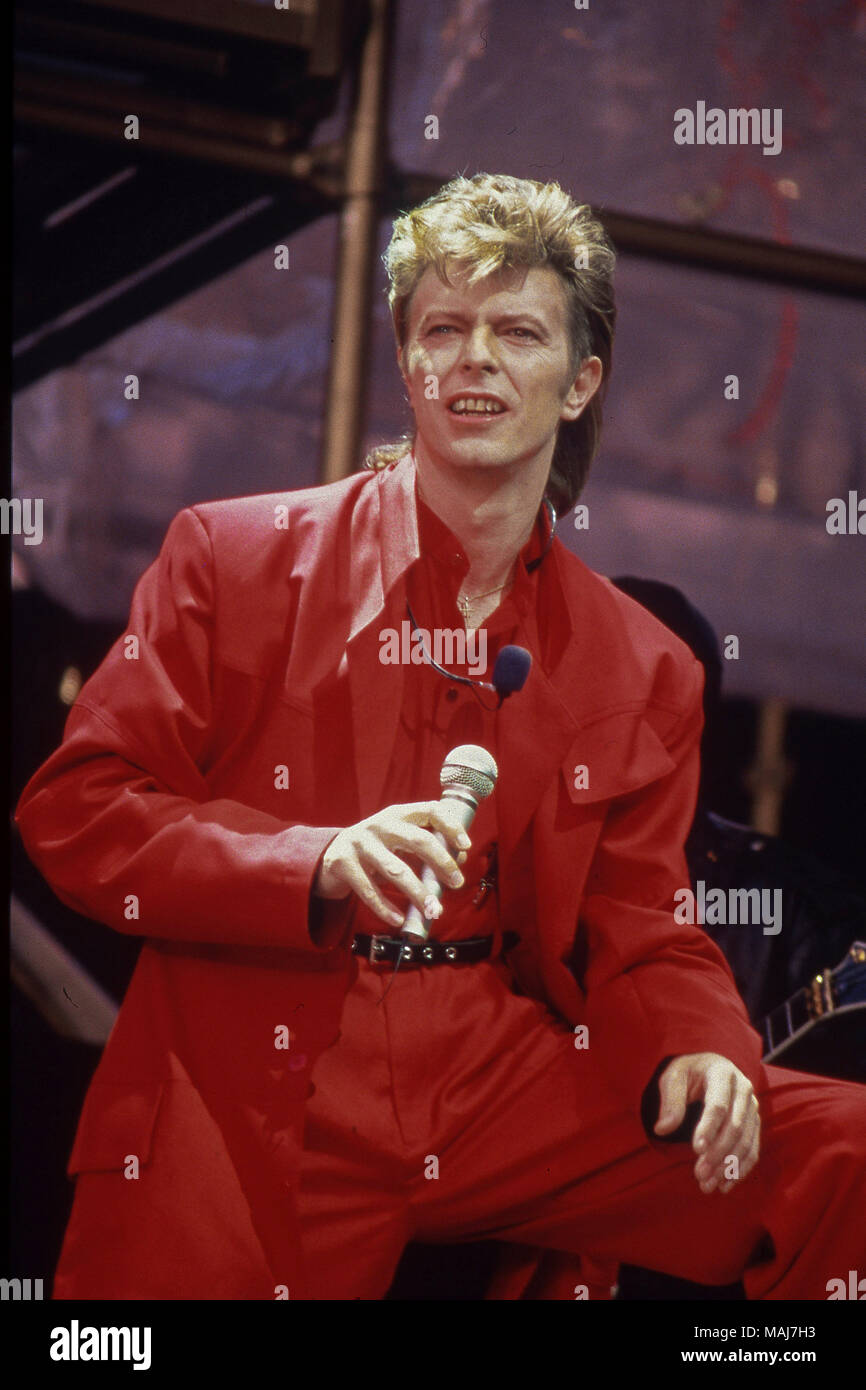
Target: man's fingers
(673, 1089)
(448, 819)
(413, 839)
(742, 1108)
(366, 851)
(728, 1159)
(727, 1136)
(369, 894)
(747, 1163)
(380, 861)
(754, 1153)
(717, 1104)
(734, 1136)
(442, 816)
(751, 1132)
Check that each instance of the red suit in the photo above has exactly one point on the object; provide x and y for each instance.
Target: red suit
(244, 718)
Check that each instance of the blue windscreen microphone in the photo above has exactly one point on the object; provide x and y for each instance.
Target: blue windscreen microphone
(510, 670)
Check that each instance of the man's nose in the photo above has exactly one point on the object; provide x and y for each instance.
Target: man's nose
(479, 348)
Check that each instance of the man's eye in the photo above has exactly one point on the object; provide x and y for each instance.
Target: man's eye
(442, 328)
(528, 331)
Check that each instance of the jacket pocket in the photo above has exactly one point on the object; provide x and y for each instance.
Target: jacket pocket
(117, 1122)
(614, 756)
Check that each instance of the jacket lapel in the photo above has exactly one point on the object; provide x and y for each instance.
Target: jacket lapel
(384, 540)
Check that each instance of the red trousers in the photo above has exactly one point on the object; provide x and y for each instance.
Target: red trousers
(456, 1110)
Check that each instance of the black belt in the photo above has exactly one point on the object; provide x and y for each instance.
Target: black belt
(379, 947)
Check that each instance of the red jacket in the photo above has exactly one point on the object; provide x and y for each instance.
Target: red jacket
(258, 648)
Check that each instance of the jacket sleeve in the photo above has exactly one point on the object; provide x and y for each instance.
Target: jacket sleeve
(657, 988)
(119, 819)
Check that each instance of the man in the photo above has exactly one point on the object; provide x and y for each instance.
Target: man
(277, 1113)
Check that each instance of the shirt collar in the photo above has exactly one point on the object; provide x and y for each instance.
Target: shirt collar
(391, 507)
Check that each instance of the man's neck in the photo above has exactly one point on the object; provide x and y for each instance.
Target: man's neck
(492, 522)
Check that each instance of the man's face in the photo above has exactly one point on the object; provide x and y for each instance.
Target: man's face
(499, 353)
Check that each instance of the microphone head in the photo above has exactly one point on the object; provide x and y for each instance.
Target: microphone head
(472, 767)
(511, 669)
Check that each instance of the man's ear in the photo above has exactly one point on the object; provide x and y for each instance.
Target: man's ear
(582, 389)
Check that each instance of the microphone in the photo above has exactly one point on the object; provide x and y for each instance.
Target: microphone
(468, 776)
(510, 670)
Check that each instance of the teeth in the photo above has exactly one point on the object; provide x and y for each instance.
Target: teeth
(474, 404)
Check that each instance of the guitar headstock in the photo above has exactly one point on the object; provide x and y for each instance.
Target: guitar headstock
(845, 980)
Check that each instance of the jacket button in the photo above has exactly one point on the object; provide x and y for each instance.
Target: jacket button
(451, 693)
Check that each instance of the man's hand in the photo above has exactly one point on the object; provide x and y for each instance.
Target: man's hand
(730, 1125)
(364, 852)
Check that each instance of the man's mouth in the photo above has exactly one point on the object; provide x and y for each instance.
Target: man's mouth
(476, 405)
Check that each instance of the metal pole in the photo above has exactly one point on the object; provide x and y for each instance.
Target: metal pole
(769, 774)
(68, 998)
(359, 221)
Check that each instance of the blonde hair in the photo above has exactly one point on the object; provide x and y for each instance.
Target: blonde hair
(494, 221)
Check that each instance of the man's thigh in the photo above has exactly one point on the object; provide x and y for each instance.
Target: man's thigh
(558, 1163)
(499, 1128)
(353, 1212)
(353, 1231)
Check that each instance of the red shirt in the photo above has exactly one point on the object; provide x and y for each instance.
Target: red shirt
(438, 715)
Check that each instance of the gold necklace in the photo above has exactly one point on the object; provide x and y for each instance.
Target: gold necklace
(465, 603)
